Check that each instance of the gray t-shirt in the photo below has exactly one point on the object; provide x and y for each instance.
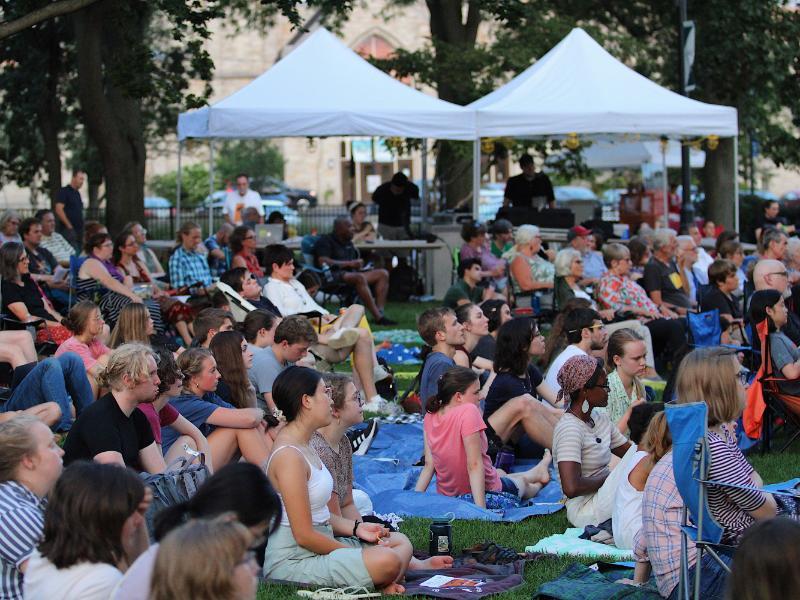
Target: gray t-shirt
(784, 352)
(436, 365)
(264, 370)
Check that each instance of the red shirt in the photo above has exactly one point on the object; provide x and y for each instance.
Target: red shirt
(163, 418)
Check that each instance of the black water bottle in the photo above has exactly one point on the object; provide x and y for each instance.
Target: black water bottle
(441, 537)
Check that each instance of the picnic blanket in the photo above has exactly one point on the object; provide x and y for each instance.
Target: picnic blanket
(491, 579)
(397, 336)
(579, 582)
(398, 354)
(387, 473)
(570, 544)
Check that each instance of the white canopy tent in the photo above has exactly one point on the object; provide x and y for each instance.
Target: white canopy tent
(609, 155)
(578, 87)
(323, 88)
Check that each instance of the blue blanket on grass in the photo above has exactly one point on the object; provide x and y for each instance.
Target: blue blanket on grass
(387, 474)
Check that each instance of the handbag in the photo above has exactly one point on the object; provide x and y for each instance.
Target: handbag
(174, 486)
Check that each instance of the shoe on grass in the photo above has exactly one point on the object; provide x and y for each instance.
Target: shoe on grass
(379, 405)
(361, 439)
(384, 320)
(343, 338)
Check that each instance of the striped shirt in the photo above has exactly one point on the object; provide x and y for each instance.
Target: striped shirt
(188, 268)
(659, 539)
(21, 527)
(58, 246)
(730, 506)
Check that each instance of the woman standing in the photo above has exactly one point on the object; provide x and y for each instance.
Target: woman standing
(583, 442)
(243, 247)
(312, 545)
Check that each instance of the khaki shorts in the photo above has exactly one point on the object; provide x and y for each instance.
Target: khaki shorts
(287, 561)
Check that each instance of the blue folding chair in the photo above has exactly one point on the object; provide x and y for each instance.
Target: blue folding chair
(704, 330)
(691, 463)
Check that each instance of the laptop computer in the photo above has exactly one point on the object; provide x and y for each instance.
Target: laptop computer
(268, 234)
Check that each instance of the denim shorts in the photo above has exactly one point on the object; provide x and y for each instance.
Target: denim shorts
(509, 487)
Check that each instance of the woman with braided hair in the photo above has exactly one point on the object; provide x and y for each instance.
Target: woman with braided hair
(583, 441)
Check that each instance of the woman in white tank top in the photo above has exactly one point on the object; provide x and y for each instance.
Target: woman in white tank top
(313, 546)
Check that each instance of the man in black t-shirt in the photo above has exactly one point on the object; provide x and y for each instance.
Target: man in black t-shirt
(69, 209)
(394, 206)
(336, 250)
(529, 189)
(111, 430)
(662, 280)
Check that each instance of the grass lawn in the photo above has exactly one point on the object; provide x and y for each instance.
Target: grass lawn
(773, 468)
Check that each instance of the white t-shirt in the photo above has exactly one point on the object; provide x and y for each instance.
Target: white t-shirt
(700, 267)
(236, 204)
(135, 584)
(87, 581)
(290, 297)
(552, 373)
(626, 520)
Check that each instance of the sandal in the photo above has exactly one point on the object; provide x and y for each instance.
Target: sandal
(489, 553)
(348, 593)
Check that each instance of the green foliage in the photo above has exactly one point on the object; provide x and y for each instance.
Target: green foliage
(194, 185)
(257, 158)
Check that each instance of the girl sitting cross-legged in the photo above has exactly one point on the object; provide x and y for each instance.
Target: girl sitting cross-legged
(456, 446)
(312, 545)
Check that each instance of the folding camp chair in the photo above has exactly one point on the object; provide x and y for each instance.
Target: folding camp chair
(239, 306)
(704, 330)
(691, 464)
(778, 403)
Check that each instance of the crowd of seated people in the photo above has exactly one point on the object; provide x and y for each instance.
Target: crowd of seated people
(280, 502)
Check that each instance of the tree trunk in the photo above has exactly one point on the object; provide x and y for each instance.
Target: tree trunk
(113, 119)
(718, 182)
(50, 116)
(453, 165)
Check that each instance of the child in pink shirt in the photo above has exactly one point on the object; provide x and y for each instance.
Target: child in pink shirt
(87, 326)
(456, 446)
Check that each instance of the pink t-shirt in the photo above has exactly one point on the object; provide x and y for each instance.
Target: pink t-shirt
(163, 418)
(89, 353)
(445, 432)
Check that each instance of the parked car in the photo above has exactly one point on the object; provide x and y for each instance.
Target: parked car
(157, 207)
(299, 198)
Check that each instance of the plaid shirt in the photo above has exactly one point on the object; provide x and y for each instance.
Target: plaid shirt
(659, 539)
(188, 268)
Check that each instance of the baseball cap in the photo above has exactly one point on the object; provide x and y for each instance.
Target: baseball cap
(578, 231)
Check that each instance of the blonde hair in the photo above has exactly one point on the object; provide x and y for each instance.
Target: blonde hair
(709, 375)
(657, 439)
(129, 359)
(191, 363)
(176, 575)
(17, 441)
(525, 234)
(131, 325)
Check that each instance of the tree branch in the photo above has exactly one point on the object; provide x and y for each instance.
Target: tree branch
(56, 9)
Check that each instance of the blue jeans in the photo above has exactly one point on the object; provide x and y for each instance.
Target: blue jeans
(712, 580)
(59, 379)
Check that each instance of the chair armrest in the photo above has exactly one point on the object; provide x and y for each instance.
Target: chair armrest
(14, 323)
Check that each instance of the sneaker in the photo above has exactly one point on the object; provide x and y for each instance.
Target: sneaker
(379, 373)
(361, 439)
(343, 338)
(348, 593)
(384, 320)
(381, 406)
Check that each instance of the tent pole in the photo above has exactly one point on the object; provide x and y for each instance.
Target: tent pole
(736, 182)
(665, 184)
(476, 178)
(210, 186)
(178, 188)
(423, 205)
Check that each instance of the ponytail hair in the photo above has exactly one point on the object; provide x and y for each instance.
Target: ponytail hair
(455, 380)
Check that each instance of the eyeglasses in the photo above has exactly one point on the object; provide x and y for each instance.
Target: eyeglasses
(744, 377)
(781, 273)
(604, 386)
(597, 326)
(358, 399)
(24, 258)
(249, 237)
(329, 391)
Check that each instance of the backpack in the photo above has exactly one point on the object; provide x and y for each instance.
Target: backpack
(404, 282)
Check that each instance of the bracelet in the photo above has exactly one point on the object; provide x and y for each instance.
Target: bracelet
(355, 526)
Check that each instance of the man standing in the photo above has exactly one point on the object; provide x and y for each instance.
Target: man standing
(239, 199)
(337, 251)
(394, 207)
(69, 208)
(54, 242)
(529, 189)
(662, 280)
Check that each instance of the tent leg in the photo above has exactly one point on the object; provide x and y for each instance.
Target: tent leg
(476, 178)
(210, 186)
(736, 182)
(423, 204)
(178, 189)
(665, 183)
